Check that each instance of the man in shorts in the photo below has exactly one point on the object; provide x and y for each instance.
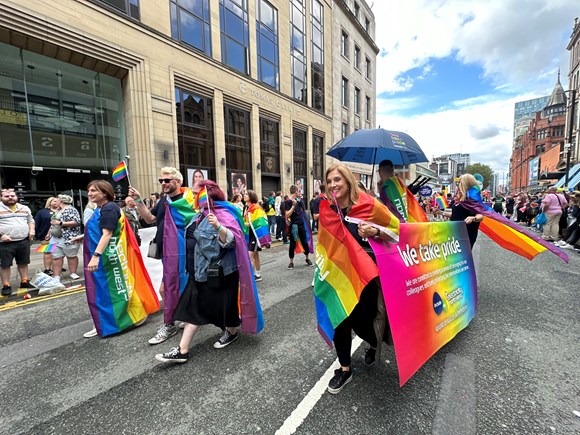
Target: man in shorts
(65, 229)
(16, 233)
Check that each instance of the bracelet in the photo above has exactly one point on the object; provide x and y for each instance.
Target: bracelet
(378, 232)
(220, 228)
(139, 200)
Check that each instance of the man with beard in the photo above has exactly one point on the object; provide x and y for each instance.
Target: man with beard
(171, 181)
(16, 233)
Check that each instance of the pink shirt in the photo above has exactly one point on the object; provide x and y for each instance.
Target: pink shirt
(552, 205)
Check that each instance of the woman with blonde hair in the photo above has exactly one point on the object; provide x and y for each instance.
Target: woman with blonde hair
(460, 213)
(42, 224)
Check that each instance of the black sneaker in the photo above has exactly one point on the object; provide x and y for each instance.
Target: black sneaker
(291, 266)
(225, 340)
(258, 278)
(6, 290)
(308, 262)
(174, 355)
(48, 272)
(339, 380)
(26, 284)
(370, 356)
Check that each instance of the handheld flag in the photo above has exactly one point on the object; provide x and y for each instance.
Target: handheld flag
(120, 171)
(46, 248)
(202, 201)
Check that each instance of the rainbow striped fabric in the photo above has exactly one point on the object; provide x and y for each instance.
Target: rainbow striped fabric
(395, 195)
(343, 268)
(119, 292)
(201, 201)
(120, 171)
(50, 247)
(299, 249)
(506, 233)
(257, 220)
(178, 216)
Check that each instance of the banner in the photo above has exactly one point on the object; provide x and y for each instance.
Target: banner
(430, 289)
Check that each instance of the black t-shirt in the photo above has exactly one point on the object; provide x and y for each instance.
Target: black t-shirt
(110, 214)
(159, 212)
(296, 216)
(315, 206)
(353, 230)
(458, 213)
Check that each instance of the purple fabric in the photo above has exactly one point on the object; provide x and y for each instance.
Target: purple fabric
(171, 254)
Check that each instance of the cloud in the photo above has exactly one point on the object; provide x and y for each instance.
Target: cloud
(484, 131)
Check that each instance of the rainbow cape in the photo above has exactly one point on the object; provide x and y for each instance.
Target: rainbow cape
(249, 303)
(401, 202)
(50, 247)
(343, 268)
(120, 171)
(119, 292)
(299, 249)
(179, 215)
(506, 233)
(258, 221)
(441, 202)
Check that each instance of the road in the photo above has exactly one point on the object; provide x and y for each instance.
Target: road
(514, 369)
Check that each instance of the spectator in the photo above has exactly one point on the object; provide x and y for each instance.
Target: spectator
(42, 223)
(315, 207)
(573, 231)
(281, 233)
(16, 232)
(295, 213)
(66, 227)
(271, 213)
(132, 215)
(552, 206)
(498, 201)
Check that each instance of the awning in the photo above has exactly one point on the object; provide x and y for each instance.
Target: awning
(575, 182)
(574, 172)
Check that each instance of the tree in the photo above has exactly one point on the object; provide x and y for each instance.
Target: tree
(478, 168)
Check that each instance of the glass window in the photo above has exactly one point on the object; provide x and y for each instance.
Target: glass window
(356, 10)
(367, 25)
(297, 50)
(344, 131)
(234, 34)
(368, 67)
(267, 44)
(344, 93)
(270, 146)
(344, 44)
(317, 63)
(317, 156)
(357, 57)
(299, 154)
(128, 7)
(368, 109)
(356, 100)
(190, 23)
(238, 141)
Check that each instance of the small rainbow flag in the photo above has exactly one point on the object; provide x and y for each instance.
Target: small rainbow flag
(201, 201)
(46, 248)
(120, 171)
(258, 221)
(442, 202)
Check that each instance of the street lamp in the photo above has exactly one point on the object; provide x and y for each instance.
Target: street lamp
(568, 146)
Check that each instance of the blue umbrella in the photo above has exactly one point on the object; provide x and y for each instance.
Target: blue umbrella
(373, 146)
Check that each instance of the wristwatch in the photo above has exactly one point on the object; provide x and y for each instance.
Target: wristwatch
(97, 254)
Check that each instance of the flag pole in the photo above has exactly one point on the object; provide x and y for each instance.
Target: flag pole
(127, 164)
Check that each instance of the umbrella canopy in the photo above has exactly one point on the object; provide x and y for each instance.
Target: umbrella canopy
(373, 146)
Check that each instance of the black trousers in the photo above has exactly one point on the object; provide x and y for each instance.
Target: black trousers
(303, 241)
(281, 228)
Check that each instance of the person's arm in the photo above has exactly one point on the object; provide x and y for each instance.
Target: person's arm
(142, 209)
(291, 210)
(31, 232)
(477, 218)
(100, 249)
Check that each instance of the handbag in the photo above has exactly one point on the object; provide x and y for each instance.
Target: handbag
(215, 271)
(541, 219)
(152, 252)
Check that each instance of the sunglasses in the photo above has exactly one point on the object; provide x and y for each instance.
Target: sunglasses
(165, 180)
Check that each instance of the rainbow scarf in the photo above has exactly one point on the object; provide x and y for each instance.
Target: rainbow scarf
(343, 268)
(441, 202)
(506, 233)
(396, 196)
(119, 292)
(179, 215)
(250, 310)
(257, 220)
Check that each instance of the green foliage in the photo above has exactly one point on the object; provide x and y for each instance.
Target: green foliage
(484, 170)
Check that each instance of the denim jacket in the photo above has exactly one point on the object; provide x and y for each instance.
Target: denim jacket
(209, 246)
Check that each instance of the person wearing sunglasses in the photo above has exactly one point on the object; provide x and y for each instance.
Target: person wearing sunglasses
(170, 180)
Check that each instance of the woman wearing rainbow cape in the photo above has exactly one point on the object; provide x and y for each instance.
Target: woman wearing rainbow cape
(219, 235)
(257, 222)
(469, 207)
(347, 290)
(119, 291)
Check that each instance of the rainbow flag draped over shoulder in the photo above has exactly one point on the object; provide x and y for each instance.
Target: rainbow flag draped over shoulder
(395, 195)
(343, 268)
(179, 214)
(258, 222)
(250, 310)
(119, 292)
(506, 233)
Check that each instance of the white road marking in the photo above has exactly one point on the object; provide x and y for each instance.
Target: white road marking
(298, 416)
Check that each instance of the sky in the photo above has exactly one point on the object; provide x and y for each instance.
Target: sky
(450, 71)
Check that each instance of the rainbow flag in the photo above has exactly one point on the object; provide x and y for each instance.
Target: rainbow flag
(343, 268)
(506, 233)
(201, 201)
(46, 248)
(441, 202)
(119, 292)
(401, 202)
(258, 221)
(179, 214)
(299, 249)
(120, 171)
(249, 303)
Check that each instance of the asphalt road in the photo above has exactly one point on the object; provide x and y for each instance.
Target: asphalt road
(514, 369)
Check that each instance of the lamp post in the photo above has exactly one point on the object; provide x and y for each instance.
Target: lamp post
(568, 146)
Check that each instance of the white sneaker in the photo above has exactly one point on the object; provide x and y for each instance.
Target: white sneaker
(165, 332)
(566, 246)
(560, 242)
(91, 333)
(74, 276)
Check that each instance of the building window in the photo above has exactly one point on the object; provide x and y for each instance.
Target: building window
(344, 130)
(368, 67)
(356, 10)
(317, 159)
(368, 109)
(128, 7)
(190, 23)
(267, 44)
(299, 154)
(367, 25)
(344, 93)
(238, 147)
(270, 146)
(234, 34)
(357, 57)
(195, 137)
(317, 63)
(298, 50)
(356, 100)
(344, 44)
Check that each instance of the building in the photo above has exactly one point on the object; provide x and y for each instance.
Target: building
(241, 90)
(574, 84)
(463, 160)
(354, 55)
(446, 169)
(537, 152)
